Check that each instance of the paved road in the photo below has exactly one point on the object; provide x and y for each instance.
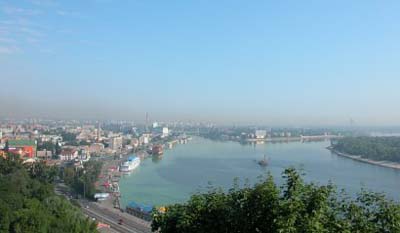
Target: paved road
(130, 224)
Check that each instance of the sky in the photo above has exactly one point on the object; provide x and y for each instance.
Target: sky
(224, 61)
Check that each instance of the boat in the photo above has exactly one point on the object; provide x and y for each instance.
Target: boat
(130, 164)
(157, 150)
(263, 162)
(149, 150)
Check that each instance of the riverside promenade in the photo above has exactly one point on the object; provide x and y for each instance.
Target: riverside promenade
(109, 211)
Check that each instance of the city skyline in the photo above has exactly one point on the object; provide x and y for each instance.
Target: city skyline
(293, 63)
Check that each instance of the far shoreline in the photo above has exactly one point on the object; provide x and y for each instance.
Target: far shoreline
(386, 164)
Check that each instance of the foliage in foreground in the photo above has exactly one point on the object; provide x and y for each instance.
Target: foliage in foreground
(294, 207)
(83, 180)
(28, 202)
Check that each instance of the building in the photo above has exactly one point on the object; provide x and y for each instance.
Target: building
(135, 142)
(51, 138)
(83, 154)
(260, 134)
(165, 132)
(144, 139)
(116, 143)
(44, 154)
(96, 148)
(24, 148)
(98, 133)
(69, 154)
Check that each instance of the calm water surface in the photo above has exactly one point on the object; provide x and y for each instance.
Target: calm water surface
(190, 167)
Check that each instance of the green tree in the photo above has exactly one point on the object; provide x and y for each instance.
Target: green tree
(28, 202)
(57, 149)
(83, 180)
(294, 207)
(49, 146)
(375, 148)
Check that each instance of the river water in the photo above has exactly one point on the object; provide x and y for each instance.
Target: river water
(191, 167)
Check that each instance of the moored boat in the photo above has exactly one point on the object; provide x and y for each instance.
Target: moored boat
(157, 150)
(131, 164)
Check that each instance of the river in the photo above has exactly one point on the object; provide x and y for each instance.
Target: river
(190, 167)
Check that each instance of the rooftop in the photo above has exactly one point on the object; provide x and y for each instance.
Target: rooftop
(141, 207)
(16, 143)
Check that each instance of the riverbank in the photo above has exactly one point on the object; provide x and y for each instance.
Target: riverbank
(110, 174)
(359, 158)
(109, 178)
(294, 139)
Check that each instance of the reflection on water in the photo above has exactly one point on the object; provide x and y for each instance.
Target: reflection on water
(156, 159)
(188, 168)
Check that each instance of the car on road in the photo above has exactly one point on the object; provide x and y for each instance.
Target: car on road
(121, 221)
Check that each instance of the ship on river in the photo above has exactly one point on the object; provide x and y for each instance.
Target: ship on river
(131, 164)
(157, 150)
(263, 162)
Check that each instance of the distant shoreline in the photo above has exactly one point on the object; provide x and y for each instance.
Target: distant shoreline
(297, 138)
(386, 164)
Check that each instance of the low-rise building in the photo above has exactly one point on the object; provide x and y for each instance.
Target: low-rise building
(83, 155)
(144, 139)
(51, 138)
(135, 142)
(165, 132)
(116, 143)
(68, 154)
(44, 154)
(260, 134)
(24, 148)
(96, 148)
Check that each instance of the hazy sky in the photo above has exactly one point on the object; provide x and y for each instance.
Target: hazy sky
(274, 62)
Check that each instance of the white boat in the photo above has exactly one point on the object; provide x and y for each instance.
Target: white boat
(129, 165)
(101, 196)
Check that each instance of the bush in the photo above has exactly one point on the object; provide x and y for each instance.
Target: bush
(293, 207)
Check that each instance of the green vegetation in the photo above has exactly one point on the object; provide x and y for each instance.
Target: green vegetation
(68, 137)
(49, 146)
(294, 207)
(375, 148)
(84, 143)
(82, 180)
(28, 202)
(55, 148)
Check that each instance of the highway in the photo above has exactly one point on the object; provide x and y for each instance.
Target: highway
(130, 223)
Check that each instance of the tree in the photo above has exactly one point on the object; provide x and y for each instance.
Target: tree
(49, 146)
(41, 172)
(68, 137)
(6, 146)
(28, 202)
(57, 149)
(294, 207)
(83, 180)
(375, 148)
